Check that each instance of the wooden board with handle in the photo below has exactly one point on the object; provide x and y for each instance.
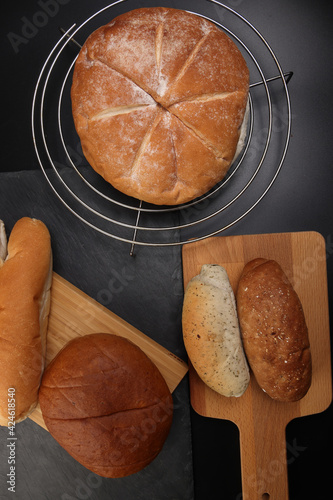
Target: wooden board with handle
(262, 421)
(73, 313)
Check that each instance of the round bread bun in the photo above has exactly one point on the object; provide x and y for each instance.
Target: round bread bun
(106, 404)
(159, 98)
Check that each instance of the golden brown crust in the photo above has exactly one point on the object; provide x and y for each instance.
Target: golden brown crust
(24, 287)
(107, 404)
(274, 331)
(158, 99)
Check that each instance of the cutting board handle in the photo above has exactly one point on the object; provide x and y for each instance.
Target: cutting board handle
(264, 462)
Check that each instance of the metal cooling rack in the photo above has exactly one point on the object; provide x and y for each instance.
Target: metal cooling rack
(111, 213)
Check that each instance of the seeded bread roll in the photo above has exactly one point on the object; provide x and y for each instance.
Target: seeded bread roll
(159, 98)
(106, 404)
(274, 331)
(25, 282)
(211, 332)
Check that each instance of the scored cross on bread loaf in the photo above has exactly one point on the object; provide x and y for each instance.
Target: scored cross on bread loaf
(159, 98)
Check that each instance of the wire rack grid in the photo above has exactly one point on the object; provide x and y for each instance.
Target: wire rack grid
(101, 207)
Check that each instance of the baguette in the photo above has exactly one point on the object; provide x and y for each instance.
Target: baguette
(25, 282)
(211, 332)
(274, 331)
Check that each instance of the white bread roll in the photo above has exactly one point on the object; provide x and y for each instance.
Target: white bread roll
(25, 282)
(211, 332)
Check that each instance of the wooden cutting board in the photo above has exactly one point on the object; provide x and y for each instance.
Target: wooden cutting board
(73, 313)
(262, 421)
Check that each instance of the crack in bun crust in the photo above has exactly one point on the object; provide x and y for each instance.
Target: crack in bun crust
(154, 60)
(106, 404)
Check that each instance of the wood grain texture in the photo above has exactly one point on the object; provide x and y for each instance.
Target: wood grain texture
(73, 313)
(261, 420)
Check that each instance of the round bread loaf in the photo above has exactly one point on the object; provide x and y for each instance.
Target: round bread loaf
(106, 404)
(159, 98)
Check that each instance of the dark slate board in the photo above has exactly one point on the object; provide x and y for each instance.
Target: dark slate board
(147, 292)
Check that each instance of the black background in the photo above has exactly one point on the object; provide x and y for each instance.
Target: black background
(300, 33)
